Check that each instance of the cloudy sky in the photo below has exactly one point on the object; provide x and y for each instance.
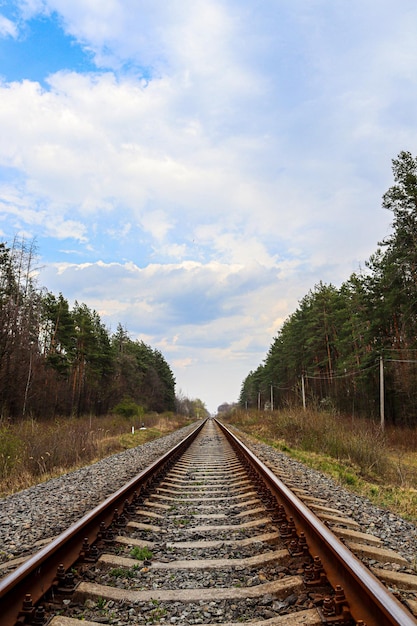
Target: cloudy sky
(192, 168)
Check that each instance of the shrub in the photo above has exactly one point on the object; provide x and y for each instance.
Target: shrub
(128, 408)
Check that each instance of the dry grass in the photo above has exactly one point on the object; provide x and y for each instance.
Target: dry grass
(382, 466)
(34, 451)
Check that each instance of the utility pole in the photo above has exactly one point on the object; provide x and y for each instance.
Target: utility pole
(303, 391)
(272, 397)
(381, 392)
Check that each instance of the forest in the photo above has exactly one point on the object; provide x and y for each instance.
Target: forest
(333, 350)
(61, 360)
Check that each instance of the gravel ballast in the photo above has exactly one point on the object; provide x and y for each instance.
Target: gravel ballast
(45, 510)
(396, 533)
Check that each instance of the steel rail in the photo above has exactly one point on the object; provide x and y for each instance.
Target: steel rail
(38, 573)
(369, 600)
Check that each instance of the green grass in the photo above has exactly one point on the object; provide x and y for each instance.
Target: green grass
(123, 572)
(183, 521)
(141, 553)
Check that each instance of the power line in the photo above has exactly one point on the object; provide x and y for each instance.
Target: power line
(400, 360)
(330, 377)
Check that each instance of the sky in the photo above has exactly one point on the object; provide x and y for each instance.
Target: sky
(192, 169)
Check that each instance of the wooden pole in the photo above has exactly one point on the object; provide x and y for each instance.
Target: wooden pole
(381, 392)
(303, 391)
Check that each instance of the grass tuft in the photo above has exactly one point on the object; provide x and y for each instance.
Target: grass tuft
(140, 553)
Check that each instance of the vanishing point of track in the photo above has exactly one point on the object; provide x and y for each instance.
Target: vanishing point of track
(207, 526)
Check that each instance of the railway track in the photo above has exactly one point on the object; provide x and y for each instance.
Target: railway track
(206, 535)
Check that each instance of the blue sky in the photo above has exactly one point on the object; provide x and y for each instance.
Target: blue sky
(192, 169)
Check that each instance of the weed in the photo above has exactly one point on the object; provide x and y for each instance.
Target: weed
(101, 603)
(141, 553)
(157, 612)
(348, 478)
(123, 572)
(183, 521)
(11, 449)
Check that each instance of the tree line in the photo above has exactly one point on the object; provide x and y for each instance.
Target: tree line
(61, 360)
(330, 349)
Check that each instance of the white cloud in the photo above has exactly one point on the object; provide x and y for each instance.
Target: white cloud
(171, 251)
(157, 224)
(163, 293)
(212, 317)
(32, 8)
(251, 155)
(7, 28)
(27, 218)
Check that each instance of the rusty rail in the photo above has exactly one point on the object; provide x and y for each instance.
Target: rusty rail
(370, 602)
(29, 582)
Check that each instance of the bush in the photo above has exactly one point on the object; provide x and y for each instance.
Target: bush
(128, 408)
